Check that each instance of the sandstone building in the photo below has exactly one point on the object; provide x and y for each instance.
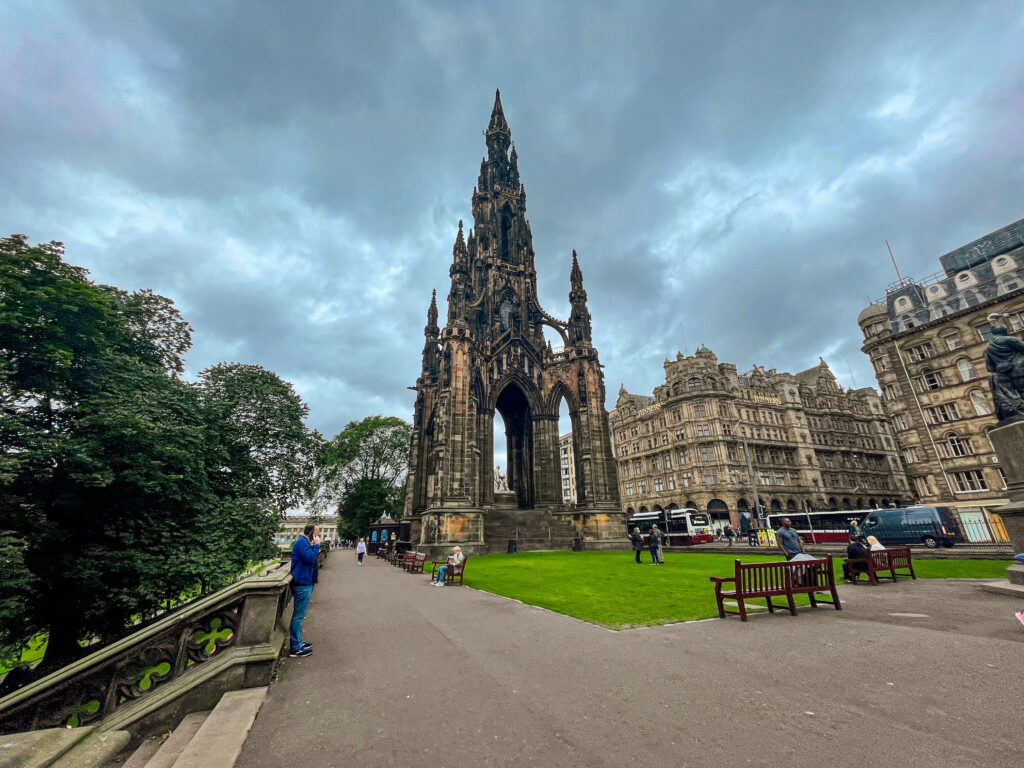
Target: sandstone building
(926, 341)
(807, 443)
(567, 466)
(492, 356)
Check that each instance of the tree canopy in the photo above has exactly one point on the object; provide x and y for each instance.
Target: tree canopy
(362, 473)
(122, 485)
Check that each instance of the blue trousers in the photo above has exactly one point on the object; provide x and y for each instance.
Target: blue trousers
(441, 573)
(300, 595)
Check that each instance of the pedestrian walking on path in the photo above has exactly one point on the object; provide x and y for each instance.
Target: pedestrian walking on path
(360, 551)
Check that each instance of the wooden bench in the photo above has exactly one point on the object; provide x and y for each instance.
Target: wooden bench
(453, 572)
(880, 561)
(779, 579)
(414, 562)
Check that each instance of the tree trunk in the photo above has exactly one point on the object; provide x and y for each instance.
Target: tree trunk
(61, 649)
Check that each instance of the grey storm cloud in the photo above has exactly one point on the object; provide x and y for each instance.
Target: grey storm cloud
(292, 174)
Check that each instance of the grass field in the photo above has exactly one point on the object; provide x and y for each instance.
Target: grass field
(610, 589)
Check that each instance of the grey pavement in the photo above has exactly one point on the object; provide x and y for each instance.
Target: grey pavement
(926, 673)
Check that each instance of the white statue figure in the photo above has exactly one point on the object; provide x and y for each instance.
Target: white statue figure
(500, 482)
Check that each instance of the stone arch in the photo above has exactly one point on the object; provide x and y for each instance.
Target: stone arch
(873, 503)
(718, 511)
(775, 505)
(643, 510)
(518, 410)
(672, 506)
(691, 504)
(558, 390)
(791, 505)
(560, 330)
(846, 503)
(833, 504)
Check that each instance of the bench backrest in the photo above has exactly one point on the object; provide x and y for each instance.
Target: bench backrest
(780, 576)
(899, 556)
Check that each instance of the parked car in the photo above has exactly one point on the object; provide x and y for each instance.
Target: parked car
(930, 526)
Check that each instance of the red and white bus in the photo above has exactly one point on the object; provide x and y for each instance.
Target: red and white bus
(819, 527)
(682, 527)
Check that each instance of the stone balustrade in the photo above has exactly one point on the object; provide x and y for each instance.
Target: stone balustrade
(181, 663)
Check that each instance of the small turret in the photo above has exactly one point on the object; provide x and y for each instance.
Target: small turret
(579, 319)
(431, 332)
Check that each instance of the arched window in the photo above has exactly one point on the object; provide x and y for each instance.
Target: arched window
(1008, 283)
(965, 369)
(980, 403)
(959, 446)
(693, 383)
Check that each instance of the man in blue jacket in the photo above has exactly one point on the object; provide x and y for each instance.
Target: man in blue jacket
(304, 573)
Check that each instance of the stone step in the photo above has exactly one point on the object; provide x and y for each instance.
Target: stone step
(170, 750)
(38, 749)
(219, 740)
(142, 754)
(94, 750)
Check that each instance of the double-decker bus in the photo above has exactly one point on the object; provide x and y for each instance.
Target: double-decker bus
(682, 527)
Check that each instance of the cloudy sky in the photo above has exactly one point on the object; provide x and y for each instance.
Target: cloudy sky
(292, 174)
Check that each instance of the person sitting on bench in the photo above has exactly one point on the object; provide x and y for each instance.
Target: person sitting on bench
(875, 544)
(855, 551)
(455, 558)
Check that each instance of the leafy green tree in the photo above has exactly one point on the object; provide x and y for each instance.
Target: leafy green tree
(267, 416)
(362, 472)
(121, 486)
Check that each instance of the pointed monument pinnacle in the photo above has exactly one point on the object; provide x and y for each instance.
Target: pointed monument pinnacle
(460, 243)
(432, 330)
(576, 275)
(498, 123)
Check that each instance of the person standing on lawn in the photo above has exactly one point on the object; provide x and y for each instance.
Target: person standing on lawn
(788, 539)
(654, 540)
(638, 543)
(304, 555)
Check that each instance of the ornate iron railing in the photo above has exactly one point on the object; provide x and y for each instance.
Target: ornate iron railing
(240, 620)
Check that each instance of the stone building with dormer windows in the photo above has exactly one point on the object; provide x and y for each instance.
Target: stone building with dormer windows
(926, 341)
(709, 437)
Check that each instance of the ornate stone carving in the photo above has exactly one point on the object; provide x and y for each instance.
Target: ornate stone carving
(1004, 359)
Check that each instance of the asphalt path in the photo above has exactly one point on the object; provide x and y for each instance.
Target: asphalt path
(926, 673)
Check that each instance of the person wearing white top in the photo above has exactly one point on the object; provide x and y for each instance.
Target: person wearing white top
(360, 551)
(875, 544)
(455, 558)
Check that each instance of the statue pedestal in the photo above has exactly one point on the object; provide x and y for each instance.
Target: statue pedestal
(1009, 444)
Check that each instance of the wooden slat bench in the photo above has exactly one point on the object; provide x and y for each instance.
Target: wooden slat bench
(780, 579)
(414, 562)
(454, 571)
(882, 560)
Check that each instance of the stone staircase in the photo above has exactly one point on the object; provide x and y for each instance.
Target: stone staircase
(202, 739)
(531, 529)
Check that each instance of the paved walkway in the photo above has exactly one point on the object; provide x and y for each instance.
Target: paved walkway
(919, 673)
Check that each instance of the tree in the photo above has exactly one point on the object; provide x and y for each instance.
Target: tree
(362, 471)
(121, 486)
(267, 417)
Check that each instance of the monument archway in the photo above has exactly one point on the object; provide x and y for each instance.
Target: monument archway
(492, 358)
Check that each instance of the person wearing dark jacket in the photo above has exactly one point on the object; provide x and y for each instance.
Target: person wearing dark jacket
(654, 539)
(304, 577)
(855, 551)
(638, 543)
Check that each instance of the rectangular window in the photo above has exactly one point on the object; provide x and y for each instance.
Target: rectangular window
(641, 486)
(671, 483)
(680, 435)
(629, 488)
(732, 453)
(890, 392)
(707, 453)
(668, 461)
(711, 477)
(638, 467)
(900, 422)
(780, 479)
(703, 430)
(919, 352)
(723, 409)
(910, 456)
(766, 478)
(984, 332)
(1015, 321)
(625, 469)
(684, 456)
(953, 341)
(928, 380)
(970, 481)
(942, 413)
(676, 416)
(734, 476)
(658, 484)
(687, 479)
(655, 463)
(727, 429)
(700, 411)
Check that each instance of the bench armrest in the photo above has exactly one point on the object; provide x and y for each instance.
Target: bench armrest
(723, 579)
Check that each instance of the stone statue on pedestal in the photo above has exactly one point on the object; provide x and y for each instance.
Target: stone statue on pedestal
(1004, 359)
(500, 481)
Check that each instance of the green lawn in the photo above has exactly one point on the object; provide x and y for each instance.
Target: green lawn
(610, 589)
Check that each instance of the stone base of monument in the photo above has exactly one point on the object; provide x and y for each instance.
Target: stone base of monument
(1009, 444)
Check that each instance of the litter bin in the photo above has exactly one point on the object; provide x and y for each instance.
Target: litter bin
(577, 545)
(513, 548)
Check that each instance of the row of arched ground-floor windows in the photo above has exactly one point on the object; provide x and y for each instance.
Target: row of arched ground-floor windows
(720, 510)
